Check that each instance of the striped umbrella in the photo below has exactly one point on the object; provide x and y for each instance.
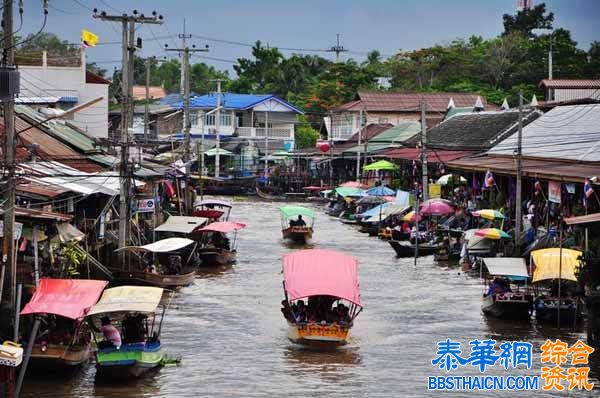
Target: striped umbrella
(492, 233)
(489, 214)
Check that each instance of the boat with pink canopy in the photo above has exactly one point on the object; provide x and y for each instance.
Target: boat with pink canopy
(217, 248)
(322, 297)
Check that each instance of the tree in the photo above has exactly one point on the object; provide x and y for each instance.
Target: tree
(527, 20)
(593, 64)
(94, 68)
(305, 135)
(47, 42)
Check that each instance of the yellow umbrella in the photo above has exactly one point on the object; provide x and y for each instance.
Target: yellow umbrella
(410, 217)
(489, 214)
(548, 264)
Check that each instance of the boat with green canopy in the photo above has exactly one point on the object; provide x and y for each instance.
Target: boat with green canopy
(131, 345)
(297, 223)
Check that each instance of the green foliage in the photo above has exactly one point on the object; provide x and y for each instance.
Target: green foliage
(306, 136)
(47, 41)
(527, 20)
(71, 259)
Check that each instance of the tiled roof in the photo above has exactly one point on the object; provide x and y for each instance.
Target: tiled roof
(570, 83)
(91, 77)
(565, 133)
(155, 92)
(385, 101)
(477, 131)
(433, 156)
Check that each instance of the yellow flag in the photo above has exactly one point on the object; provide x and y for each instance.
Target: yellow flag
(88, 38)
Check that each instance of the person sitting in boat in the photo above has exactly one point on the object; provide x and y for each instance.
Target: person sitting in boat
(286, 310)
(112, 337)
(300, 222)
(497, 286)
(134, 330)
(300, 315)
(342, 313)
(174, 265)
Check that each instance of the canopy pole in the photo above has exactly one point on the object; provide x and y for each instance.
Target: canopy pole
(36, 266)
(560, 229)
(416, 223)
(17, 312)
(33, 336)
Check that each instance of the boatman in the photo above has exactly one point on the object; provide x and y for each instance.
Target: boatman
(300, 222)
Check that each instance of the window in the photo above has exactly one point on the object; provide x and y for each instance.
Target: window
(225, 119)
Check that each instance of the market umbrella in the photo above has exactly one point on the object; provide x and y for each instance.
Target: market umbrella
(449, 179)
(222, 152)
(410, 217)
(349, 191)
(489, 214)
(548, 264)
(370, 200)
(492, 233)
(380, 191)
(380, 165)
(437, 208)
(353, 184)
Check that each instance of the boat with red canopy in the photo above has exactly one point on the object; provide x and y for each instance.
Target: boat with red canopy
(328, 281)
(63, 340)
(217, 248)
(212, 209)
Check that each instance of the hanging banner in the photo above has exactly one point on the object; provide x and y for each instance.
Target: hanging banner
(435, 191)
(146, 205)
(554, 191)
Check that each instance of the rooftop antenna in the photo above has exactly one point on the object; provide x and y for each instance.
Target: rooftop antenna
(337, 49)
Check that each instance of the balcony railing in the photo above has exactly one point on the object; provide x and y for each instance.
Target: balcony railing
(259, 132)
(342, 132)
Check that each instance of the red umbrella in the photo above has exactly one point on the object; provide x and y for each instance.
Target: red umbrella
(437, 208)
(354, 184)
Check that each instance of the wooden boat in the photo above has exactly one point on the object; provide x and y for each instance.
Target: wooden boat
(506, 298)
(224, 186)
(212, 209)
(217, 248)
(139, 354)
(63, 341)
(407, 249)
(270, 197)
(165, 281)
(546, 310)
(294, 227)
(329, 316)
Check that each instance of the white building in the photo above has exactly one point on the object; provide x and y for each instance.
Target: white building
(64, 82)
(560, 90)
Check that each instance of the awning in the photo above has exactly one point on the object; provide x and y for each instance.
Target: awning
(181, 224)
(380, 165)
(548, 264)
(319, 272)
(433, 156)
(161, 246)
(68, 232)
(507, 266)
(380, 191)
(222, 152)
(587, 219)
(390, 210)
(69, 298)
(223, 226)
(295, 211)
(212, 202)
(128, 299)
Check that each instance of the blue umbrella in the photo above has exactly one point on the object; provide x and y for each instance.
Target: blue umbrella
(381, 191)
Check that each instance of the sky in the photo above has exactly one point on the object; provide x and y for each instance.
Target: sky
(385, 25)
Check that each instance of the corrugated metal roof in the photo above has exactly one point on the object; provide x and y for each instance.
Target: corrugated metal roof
(371, 147)
(432, 155)
(570, 83)
(235, 101)
(399, 133)
(58, 129)
(371, 101)
(565, 132)
(535, 168)
(154, 92)
(370, 132)
(46, 191)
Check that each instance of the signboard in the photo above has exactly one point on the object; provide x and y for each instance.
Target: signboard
(16, 233)
(146, 205)
(554, 191)
(435, 191)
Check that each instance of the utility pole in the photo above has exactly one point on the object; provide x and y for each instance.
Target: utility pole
(550, 56)
(8, 151)
(218, 131)
(362, 126)
(337, 49)
(266, 142)
(424, 149)
(128, 53)
(147, 105)
(519, 194)
(185, 52)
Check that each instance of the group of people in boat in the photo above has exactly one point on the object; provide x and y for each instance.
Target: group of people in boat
(498, 286)
(134, 328)
(320, 309)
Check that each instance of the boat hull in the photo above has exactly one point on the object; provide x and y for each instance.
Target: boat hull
(405, 249)
(132, 360)
(215, 257)
(318, 335)
(140, 278)
(58, 358)
(517, 309)
(298, 234)
(549, 314)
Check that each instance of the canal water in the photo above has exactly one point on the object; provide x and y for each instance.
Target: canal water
(231, 337)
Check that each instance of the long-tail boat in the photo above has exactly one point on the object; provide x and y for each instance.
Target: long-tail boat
(212, 209)
(170, 272)
(508, 295)
(328, 281)
(217, 248)
(63, 340)
(133, 309)
(294, 226)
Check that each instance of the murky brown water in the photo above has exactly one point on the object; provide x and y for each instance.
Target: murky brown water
(231, 336)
